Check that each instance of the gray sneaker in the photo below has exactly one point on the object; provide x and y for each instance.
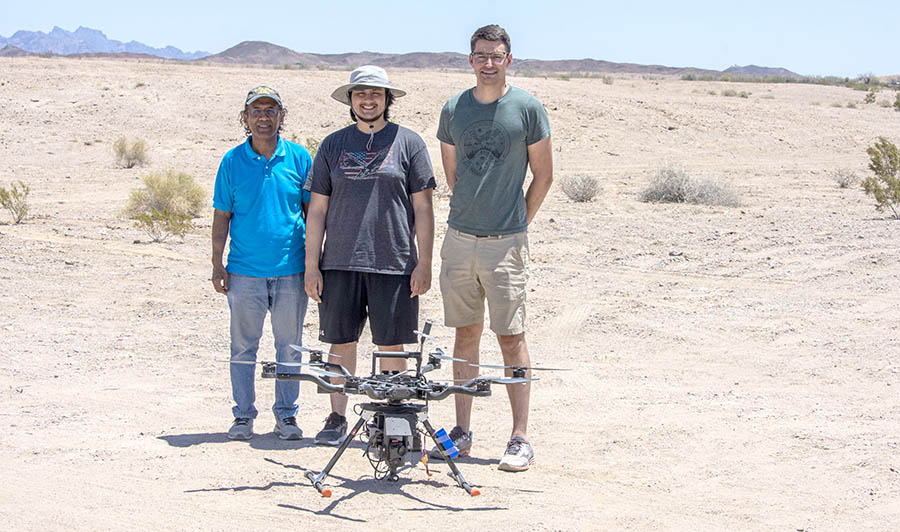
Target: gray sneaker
(461, 439)
(287, 429)
(518, 457)
(241, 429)
(334, 432)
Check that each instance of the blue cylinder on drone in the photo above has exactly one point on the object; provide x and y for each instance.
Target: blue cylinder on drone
(444, 440)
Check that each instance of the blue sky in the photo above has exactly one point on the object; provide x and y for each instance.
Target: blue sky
(825, 37)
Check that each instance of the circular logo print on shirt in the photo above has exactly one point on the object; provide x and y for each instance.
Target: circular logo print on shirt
(485, 143)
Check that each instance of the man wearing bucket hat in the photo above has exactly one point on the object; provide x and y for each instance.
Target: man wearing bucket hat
(371, 187)
(489, 135)
(259, 200)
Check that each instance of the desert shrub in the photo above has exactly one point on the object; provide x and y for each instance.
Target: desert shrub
(897, 102)
(729, 92)
(672, 184)
(837, 104)
(130, 155)
(884, 103)
(745, 94)
(608, 80)
(844, 177)
(165, 205)
(581, 188)
(884, 186)
(15, 200)
(851, 105)
(870, 96)
(312, 145)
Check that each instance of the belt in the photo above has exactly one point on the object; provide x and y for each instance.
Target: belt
(477, 236)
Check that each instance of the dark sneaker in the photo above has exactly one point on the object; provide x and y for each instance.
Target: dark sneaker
(241, 429)
(334, 432)
(461, 439)
(518, 457)
(287, 429)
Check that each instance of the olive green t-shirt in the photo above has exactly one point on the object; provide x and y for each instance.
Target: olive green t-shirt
(491, 142)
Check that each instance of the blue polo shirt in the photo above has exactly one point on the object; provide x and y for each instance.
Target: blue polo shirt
(268, 232)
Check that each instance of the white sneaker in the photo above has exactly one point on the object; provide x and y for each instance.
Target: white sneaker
(518, 457)
(241, 429)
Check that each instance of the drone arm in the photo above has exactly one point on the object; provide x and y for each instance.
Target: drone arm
(475, 387)
(319, 381)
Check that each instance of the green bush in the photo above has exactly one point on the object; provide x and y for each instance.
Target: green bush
(165, 205)
(672, 184)
(884, 186)
(870, 96)
(897, 102)
(130, 155)
(15, 200)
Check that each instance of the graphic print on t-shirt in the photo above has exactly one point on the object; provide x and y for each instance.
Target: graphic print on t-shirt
(364, 164)
(484, 144)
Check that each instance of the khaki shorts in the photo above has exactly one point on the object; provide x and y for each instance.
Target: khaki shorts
(477, 268)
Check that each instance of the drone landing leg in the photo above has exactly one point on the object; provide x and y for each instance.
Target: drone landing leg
(457, 476)
(317, 480)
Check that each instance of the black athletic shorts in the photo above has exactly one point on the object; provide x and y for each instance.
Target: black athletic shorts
(348, 298)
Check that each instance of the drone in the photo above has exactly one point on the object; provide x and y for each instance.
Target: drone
(389, 424)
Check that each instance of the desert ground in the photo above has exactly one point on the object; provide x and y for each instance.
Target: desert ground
(732, 368)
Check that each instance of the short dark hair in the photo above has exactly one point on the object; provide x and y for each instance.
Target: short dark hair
(388, 100)
(247, 128)
(491, 32)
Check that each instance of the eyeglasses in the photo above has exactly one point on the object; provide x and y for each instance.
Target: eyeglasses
(482, 57)
(270, 112)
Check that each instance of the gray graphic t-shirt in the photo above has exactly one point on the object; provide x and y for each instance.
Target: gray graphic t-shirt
(370, 225)
(491, 143)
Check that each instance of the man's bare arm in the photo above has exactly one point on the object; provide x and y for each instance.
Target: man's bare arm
(221, 224)
(540, 159)
(423, 209)
(448, 161)
(315, 235)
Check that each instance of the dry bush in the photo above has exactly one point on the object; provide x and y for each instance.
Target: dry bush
(608, 80)
(312, 146)
(844, 177)
(15, 200)
(130, 155)
(672, 184)
(581, 188)
(729, 92)
(166, 205)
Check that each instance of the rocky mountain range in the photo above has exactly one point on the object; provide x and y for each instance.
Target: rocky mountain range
(92, 43)
(86, 41)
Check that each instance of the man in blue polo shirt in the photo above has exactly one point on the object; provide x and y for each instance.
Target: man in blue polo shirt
(260, 201)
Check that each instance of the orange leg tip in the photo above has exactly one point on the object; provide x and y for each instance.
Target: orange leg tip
(326, 493)
(475, 493)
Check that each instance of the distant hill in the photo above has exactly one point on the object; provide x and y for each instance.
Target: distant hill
(86, 41)
(263, 53)
(11, 51)
(753, 70)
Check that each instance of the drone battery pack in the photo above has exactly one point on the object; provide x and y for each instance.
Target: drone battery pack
(444, 439)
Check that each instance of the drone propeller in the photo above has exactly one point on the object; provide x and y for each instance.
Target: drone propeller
(424, 335)
(264, 362)
(497, 380)
(296, 347)
(526, 368)
(439, 354)
(509, 380)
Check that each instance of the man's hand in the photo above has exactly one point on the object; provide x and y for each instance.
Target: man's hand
(220, 279)
(312, 281)
(420, 279)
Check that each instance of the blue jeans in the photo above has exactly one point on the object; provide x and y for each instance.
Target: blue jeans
(249, 298)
